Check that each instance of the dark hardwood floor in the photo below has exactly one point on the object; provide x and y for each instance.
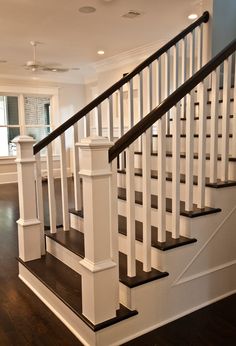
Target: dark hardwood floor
(25, 320)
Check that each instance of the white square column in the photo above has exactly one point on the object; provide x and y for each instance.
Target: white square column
(28, 224)
(99, 276)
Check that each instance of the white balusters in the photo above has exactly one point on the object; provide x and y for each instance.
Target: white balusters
(39, 195)
(183, 71)
(189, 151)
(176, 153)
(110, 118)
(158, 87)
(199, 46)
(201, 145)
(146, 164)
(161, 182)
(121, 112)
(131, 104)
(51, 190)
(146, 181)
(75, 153)
(140, 100)
(87, 125)
(130, 211)
(214, 126)
(167, 86)
(225, 119)
(191, 53)
(64, 187)
(98, 120)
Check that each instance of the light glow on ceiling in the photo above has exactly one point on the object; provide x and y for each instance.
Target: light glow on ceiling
(100, 52)
(192, 16)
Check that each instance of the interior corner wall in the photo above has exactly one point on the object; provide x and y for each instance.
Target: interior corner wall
(224, 24)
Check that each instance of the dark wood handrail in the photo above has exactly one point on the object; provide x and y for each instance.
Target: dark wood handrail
(137, 130)
(97, 101)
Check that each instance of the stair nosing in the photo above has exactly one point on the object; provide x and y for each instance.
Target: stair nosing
(96, 327)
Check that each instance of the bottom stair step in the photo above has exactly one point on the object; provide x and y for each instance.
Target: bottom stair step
(141, 276)
(65, 283)
(73, 240)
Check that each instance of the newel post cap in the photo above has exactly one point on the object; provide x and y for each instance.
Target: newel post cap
(23, 139)
(95, 142)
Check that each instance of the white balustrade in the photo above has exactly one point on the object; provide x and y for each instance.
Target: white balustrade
(75, 158)
(51, 190)
(39, 196)
(130, 211)
(225, 119)
(189, 151)
(214, 125)
(202, 145)
(146, 164)
(64, 187)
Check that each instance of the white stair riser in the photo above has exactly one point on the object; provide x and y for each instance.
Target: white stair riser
(196, 143)
(232, 166)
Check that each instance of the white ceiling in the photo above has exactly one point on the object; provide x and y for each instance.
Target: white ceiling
(72, 39)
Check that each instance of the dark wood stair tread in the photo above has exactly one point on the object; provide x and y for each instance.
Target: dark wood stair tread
(196, 212)
(183, 155)
(169, 244)
(219, 184)
(209, 102)
(141, 276)
(65, 283)
(195, 135)
(208, 117)
(72, 239)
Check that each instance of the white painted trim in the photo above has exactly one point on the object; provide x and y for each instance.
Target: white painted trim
(99, 266)
(205, 272)
(8, 178)
(178, 279)
(176, 317)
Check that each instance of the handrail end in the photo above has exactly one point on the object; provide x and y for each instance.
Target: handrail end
(206, 16)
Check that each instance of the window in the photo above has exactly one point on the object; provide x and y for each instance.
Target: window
(9, 124)
(34, 120)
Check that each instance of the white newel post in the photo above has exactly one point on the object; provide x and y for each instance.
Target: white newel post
(99, 275)
(29, 237)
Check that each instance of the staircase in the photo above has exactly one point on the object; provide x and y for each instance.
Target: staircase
(148, 233)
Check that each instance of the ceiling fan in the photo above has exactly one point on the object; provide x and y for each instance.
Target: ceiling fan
(35, 65)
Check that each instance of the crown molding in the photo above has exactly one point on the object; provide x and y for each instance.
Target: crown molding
(128, 57)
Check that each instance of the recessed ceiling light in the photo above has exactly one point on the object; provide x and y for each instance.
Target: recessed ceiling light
(131, 14)
(192, 16)
(100, 52)
(54, 70)
(87, 9)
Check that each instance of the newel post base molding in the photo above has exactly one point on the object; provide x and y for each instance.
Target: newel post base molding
(28, 223)
(99, 273)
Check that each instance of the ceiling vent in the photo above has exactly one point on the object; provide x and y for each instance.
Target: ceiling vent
(131, 14)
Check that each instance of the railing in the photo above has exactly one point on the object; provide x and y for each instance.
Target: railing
(175, 61)
(216, 169)
(143, 91)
